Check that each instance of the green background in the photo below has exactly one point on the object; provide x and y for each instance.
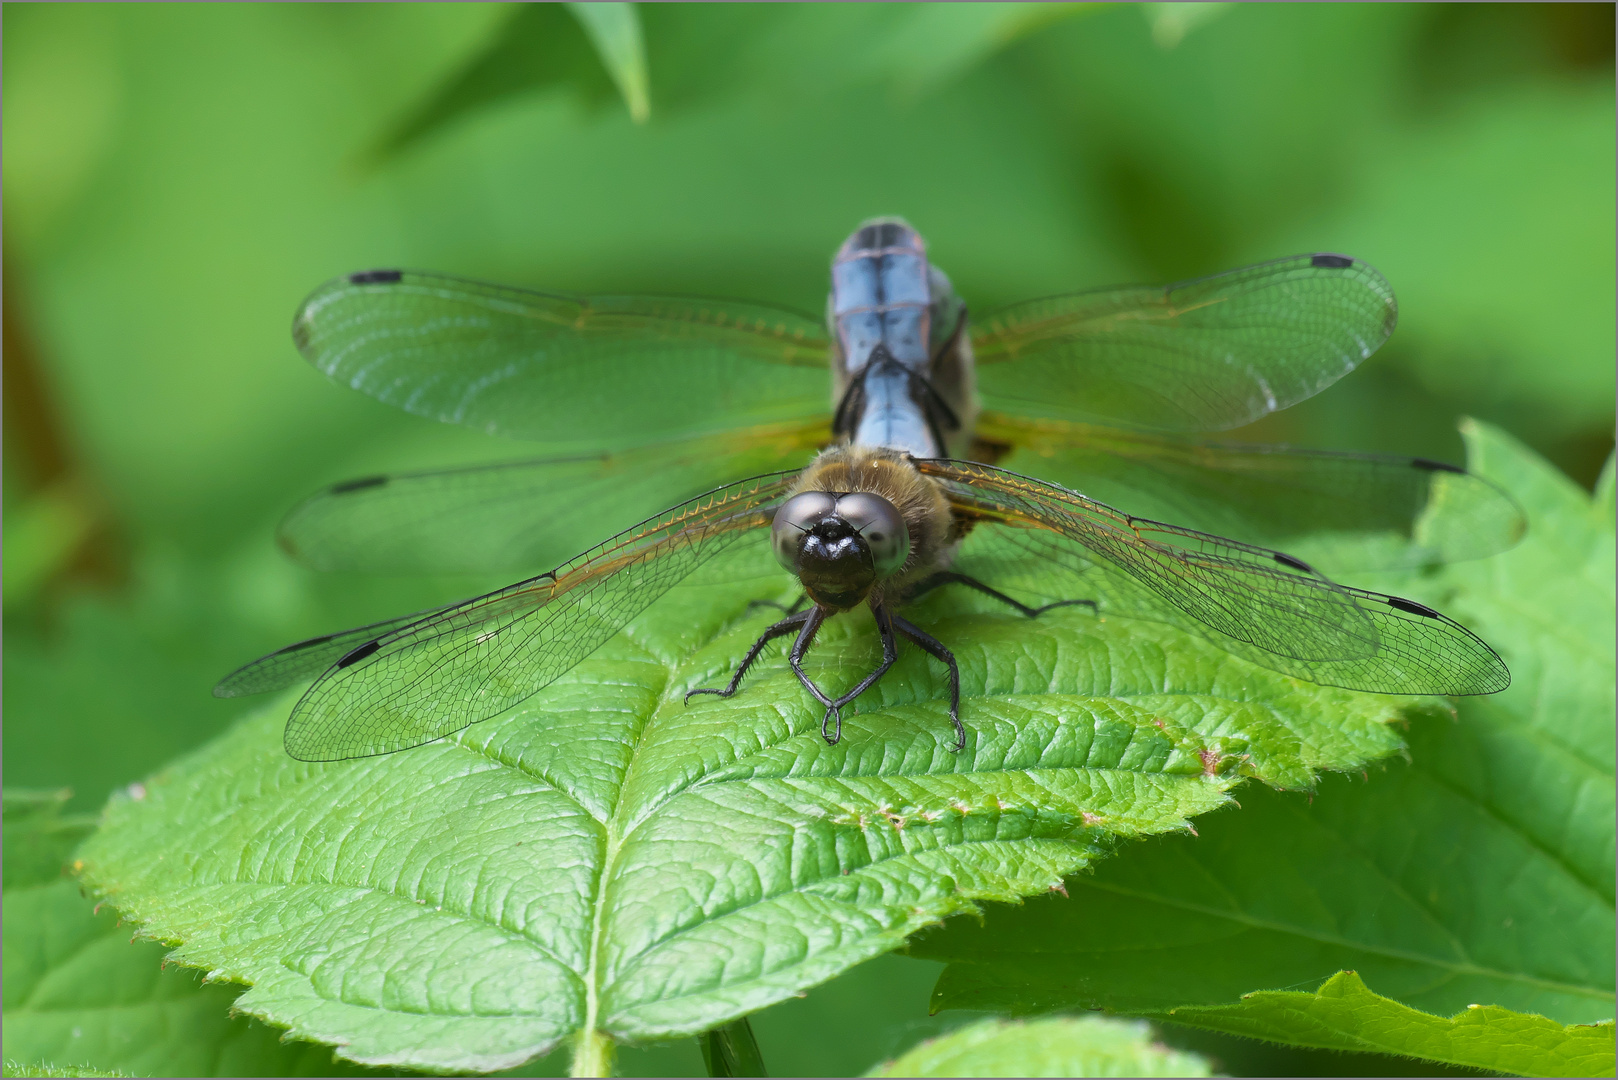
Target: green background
(178, 177)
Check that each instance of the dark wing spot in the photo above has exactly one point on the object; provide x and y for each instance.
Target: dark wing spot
(375, 277)
(311, 643)
(300, 333)
(355, 655)
(1411, 606)
(1287, 560)
(358, 485)
(1334, 262)
(1434, 466)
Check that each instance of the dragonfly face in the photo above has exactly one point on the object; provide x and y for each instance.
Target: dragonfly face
(839, 544)
(642, 400)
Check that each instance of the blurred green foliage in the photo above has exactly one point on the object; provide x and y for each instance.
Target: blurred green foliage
(177, 177)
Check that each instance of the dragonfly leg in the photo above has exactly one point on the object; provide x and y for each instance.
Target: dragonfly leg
(936, 648)
(950, 577)
(890, 653)
(782, 608)
(806, 637)
(785, 626)
(834, 720)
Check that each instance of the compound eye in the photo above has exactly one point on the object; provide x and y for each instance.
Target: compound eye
(795, 517)
(881, 526)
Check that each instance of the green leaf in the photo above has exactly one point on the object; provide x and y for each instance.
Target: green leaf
(614, 30)
(81, 1000)
(48, 532)
(921, 47)
(1345, 1015)
(605, 862)
(18, 1068)
(1061, 1046)
(1481, 872)
(1171, 22)
(37, 836)
(536, 47)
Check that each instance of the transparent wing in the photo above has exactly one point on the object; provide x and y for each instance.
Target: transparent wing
(596, 372)
(1340, 511)
(1203, 355)
(1262, 605)
(423, 678)
(524, 515)
(304, 660)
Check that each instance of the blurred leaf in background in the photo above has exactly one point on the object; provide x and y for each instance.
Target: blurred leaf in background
(177, 178)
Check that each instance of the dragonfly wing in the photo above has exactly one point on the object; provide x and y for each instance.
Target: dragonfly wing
(596, 372)
(1202, 355)
(1342, 511)
(422, 679)
(1262, 605)
(306, 659)
(520, 516)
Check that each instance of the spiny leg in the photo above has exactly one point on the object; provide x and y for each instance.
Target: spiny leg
(778, 606)
(785, 626)
(936, 647)
(950, 577)
(890, 653)
(813, 618)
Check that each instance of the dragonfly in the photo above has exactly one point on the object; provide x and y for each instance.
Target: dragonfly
(896, 483)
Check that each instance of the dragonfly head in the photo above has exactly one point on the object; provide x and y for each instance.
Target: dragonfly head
(839, 544)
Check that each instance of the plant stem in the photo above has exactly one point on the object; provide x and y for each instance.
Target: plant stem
(731, 1050)
(593, 1053)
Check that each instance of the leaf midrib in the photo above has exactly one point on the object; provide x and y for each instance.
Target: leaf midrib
(651, 811)
(615, 833)
(679, 932)
(615, 836)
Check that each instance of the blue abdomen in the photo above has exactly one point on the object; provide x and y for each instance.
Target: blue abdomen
(881, 313)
